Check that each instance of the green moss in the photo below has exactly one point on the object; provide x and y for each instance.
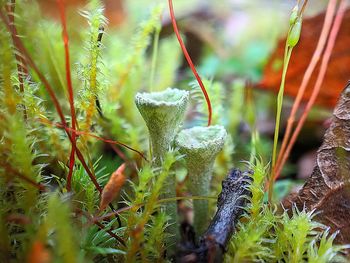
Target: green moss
(59, 221)
(106, 76)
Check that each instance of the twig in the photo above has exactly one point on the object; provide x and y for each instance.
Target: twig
(164, 200)
(230, 204)
(102, 227)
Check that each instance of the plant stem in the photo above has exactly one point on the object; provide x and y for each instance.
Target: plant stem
(70, 91)
(189, 61)
(84, 133)
(319, 81)
(307, 76)
(20, 62)
(199, 184)
(288, 53)
(19, 44)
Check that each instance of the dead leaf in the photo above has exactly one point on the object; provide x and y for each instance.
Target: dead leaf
(112, 188)
(338, 72)
(328, 188)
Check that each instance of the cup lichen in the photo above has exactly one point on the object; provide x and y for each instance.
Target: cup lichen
(164, 113)
(200, 145)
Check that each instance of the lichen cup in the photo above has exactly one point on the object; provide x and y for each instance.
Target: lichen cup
(200, 145)
(164, 113)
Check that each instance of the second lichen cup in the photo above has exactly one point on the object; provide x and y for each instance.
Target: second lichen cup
(200, 146)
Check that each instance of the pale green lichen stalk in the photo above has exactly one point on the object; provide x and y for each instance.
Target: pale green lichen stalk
(163, 113)
(201, 146)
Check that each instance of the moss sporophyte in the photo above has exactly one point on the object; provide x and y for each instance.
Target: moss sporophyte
(200, 145)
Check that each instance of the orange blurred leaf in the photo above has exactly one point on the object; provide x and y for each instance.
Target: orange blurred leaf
(39, 253)
(112, 188)
(338, 72)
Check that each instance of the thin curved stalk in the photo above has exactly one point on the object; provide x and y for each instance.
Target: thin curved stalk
(189, 61)
(307, 76)
(325, 59)
(70, 91)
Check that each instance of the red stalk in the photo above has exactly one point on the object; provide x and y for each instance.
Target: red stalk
(102, 227)
(70, 91)
(320, 77)
(24, 178)
(189, 60)
(30, 62)
(109, 141)
(307, 76)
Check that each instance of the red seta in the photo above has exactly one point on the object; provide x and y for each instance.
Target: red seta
(189, 61)
(70, 91)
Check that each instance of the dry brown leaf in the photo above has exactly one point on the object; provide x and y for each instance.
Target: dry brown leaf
(39, 253)
(338, 72)
(328, 188)
(112, 188)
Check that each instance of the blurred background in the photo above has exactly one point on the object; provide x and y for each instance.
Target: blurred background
(235, 46)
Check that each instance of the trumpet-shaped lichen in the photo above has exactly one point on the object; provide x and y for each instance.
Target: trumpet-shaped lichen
(163, 113)
(201, 146)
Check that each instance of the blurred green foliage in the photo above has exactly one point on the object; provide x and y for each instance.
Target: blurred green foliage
(34, 149)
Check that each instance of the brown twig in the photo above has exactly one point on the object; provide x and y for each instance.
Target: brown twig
(230, 205)
(101, 226)
(109, 141)
(165, 200)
